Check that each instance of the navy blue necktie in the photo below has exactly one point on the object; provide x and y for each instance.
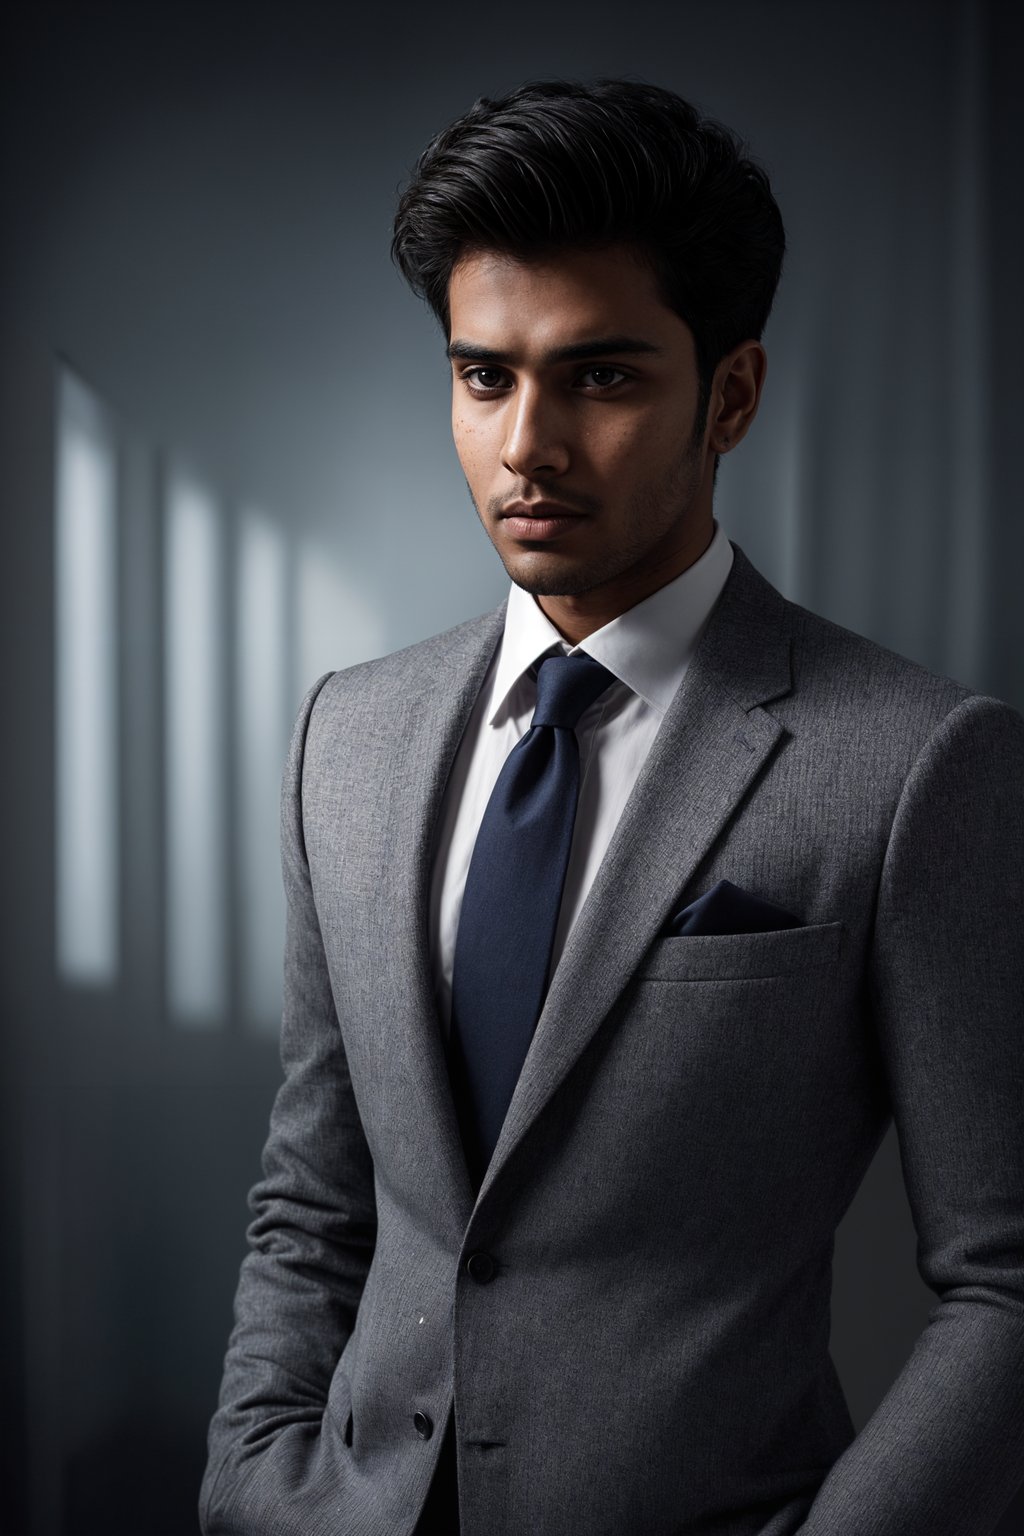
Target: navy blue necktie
(511, 903)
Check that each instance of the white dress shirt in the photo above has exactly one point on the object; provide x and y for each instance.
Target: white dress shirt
(648, 648)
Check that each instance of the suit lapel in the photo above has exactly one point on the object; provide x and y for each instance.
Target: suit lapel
(713, 742)
(433, 719)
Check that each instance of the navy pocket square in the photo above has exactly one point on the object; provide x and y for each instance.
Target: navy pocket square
(727, 908)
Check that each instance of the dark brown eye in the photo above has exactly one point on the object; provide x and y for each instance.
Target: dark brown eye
(484, 378)
(602, 376)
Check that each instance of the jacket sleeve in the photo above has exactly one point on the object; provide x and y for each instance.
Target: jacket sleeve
(944, 1452)
(313, 1231)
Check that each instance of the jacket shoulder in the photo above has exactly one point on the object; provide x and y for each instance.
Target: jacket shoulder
(370, 706)
(859, 674)
(853, 695)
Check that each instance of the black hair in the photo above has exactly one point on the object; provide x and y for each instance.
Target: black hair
(559, 164)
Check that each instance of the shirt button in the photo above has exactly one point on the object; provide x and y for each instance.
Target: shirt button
(423, 1425)
(480, 1267)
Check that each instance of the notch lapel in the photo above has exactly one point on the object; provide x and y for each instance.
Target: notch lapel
(713, 742)
(428, 726)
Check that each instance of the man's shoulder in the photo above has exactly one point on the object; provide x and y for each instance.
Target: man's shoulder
(829, 660)
(857, 672)
(853, 694)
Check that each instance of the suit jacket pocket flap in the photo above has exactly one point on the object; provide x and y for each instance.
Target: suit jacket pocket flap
(742, 956)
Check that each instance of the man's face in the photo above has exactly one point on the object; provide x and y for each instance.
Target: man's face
(575, 415)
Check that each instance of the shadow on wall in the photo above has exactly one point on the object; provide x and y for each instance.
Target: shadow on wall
(136, 1479)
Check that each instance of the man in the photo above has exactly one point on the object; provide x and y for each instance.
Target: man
(620, 921)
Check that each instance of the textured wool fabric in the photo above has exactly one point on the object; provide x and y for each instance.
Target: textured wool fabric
(631, 1316)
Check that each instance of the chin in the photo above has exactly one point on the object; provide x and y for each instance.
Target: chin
(565, 581)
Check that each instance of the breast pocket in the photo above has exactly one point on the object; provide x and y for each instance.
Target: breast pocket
(743, 956)
(734, 1049)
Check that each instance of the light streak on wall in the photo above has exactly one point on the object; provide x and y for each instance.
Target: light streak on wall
(336, 627)
(195, 740)
(88, 847)
(263, 729)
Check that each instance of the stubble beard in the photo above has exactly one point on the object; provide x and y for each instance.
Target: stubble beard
(653, 516)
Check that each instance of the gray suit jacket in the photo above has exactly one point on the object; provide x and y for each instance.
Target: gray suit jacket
(693, 1118)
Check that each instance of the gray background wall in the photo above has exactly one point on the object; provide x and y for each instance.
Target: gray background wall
(197, 203)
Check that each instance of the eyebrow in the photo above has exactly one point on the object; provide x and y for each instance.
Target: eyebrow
(579, 352)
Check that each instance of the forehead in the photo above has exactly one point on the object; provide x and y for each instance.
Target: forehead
(571, 296)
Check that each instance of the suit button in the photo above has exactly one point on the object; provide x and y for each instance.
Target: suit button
(423, 1425)
(480, 1267)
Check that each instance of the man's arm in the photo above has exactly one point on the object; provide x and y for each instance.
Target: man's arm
(944, 1452)
(314, 1228)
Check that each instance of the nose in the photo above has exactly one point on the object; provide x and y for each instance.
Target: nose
(535, 442)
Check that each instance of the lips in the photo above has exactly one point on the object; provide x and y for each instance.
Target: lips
(541, 509)
(538, 520)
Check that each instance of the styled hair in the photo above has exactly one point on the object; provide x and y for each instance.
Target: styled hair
(559, 164)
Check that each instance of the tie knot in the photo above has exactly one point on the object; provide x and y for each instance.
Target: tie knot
(566, 686)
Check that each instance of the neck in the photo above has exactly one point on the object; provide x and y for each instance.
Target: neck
(577, 616)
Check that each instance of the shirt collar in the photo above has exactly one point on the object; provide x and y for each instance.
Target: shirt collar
(648, 647)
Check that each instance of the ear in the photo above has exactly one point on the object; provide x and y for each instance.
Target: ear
(736, 394)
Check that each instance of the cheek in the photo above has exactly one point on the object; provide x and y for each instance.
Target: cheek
(617, 449)
(473, 445)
